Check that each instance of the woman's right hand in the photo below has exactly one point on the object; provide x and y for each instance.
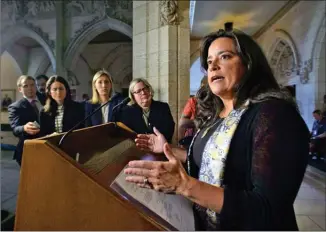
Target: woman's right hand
(151, 142)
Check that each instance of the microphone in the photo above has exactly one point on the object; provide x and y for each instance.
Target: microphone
(126, 100)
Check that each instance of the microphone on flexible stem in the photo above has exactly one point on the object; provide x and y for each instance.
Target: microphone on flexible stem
(126, 100)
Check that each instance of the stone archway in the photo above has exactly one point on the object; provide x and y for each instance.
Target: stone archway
(318, 67)
(76, 46)
(284, 58)
(10, 35)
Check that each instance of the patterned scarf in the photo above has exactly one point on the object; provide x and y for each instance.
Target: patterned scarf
(216, 150)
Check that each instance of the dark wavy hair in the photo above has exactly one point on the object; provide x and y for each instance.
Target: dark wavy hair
(257, 80)
(51, 105)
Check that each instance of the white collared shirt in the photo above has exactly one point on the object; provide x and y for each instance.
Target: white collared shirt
(58, 119)
(105, 113)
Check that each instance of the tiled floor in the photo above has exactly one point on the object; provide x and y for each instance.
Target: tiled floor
(309, 206)
(9, 181)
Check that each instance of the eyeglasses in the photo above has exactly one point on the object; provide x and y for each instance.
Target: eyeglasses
(57, 89)
(145, 89)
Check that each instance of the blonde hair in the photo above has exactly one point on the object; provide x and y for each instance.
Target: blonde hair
(23, 78)
(95, 96)
(132, 85)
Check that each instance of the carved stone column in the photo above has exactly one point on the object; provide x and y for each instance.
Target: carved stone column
(161, 50)
(60, 38)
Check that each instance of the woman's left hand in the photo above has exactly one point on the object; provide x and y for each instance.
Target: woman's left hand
(164, 176)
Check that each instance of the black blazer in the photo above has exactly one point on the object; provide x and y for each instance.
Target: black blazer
(41, 97)
(160, 117)
(264, 169)
(20, 113)
(73, 113)
(96, 119)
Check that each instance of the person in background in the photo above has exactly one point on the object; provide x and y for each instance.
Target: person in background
(249, 155)
(23, 113)
(102, 88)
(6, 101)
(41, 84)
(60, 112)
(145, 113)
(85, 97)
(187, 127)
(318, 136)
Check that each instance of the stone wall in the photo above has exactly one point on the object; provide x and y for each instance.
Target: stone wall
(304, 24)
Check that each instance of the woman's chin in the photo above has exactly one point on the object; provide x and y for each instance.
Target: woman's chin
(217, 91)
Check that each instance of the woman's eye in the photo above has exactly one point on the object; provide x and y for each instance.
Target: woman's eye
(225, 57)
(209, 62)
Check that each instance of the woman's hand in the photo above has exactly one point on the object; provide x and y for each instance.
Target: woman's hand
(168, 176)
(151, 142)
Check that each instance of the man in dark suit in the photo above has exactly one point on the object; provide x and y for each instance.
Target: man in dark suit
(41, 84)
(23, 113)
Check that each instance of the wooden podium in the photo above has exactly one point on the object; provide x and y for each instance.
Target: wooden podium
(58, 193)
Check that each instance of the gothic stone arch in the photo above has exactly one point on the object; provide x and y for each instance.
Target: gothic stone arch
(12, 34)
(77, 45)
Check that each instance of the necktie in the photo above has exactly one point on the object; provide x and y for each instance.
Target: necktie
(33, 103)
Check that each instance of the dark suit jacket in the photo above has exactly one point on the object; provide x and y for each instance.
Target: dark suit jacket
(20, 113)
(160, 117)
(73, 113)
(96, 119)
(41, 97)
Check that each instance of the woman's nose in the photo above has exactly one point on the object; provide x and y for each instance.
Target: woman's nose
(215, 66)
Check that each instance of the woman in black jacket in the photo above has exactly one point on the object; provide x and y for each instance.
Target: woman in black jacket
(60, 112)
(144, 113)
(249, 155)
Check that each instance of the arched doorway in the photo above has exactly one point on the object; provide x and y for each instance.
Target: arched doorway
(110, 50)
(196, 75)
(80, 42)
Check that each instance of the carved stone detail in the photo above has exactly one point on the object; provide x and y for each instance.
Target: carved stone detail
(34, 8)
(86, 25)
(169, 12)
(120, 10)
(44, 35)
(12, 10)
(283, 62)
(305, 70)
(16, 10)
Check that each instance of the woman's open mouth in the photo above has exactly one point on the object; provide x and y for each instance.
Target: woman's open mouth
(217, 78)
